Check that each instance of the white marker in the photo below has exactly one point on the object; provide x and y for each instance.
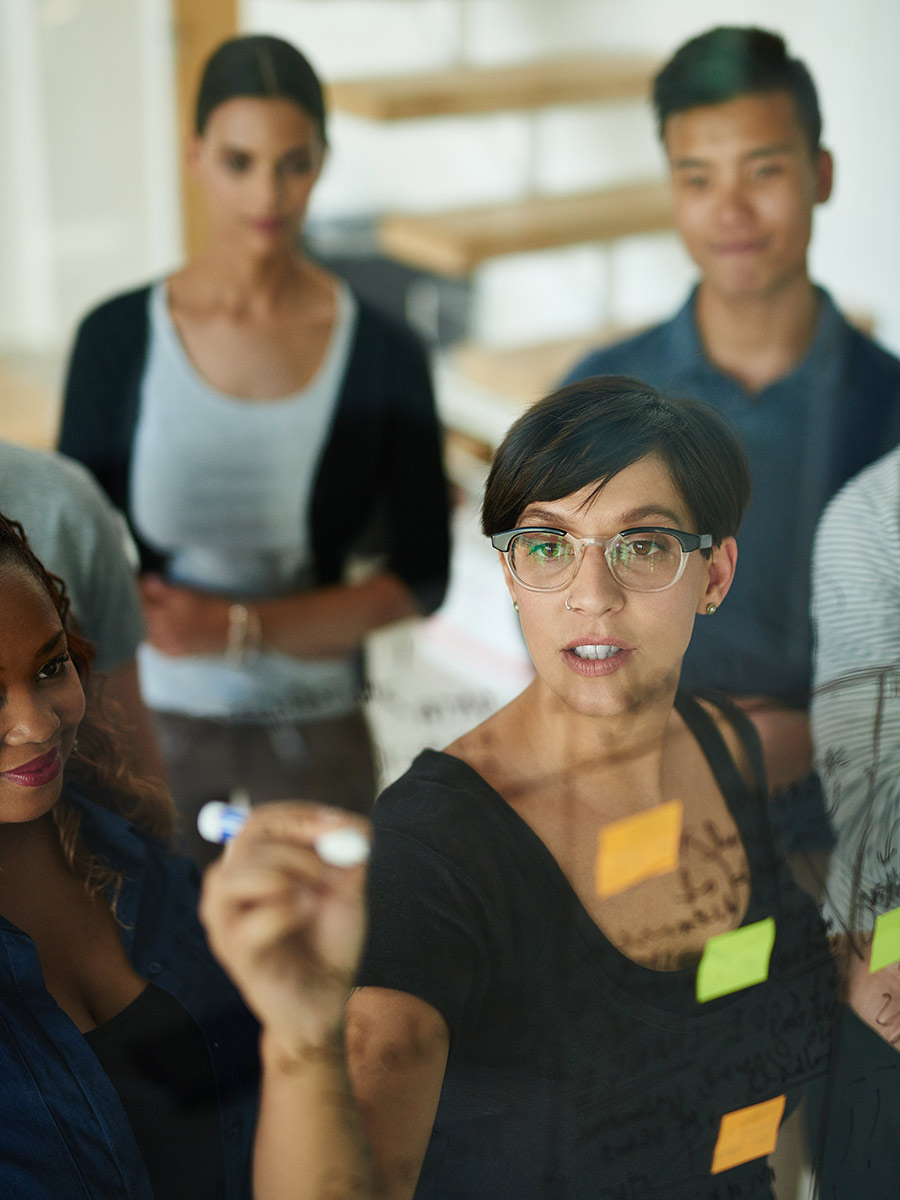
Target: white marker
(345, 846)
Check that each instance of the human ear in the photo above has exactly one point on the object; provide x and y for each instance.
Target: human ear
(720, 572)
(508, 577)
(824, 175)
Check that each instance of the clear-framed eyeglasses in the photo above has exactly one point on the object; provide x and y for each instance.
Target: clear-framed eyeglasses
(645, 558)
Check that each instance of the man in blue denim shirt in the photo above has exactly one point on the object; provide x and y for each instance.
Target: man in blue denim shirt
(812, 398)
(64, 1133)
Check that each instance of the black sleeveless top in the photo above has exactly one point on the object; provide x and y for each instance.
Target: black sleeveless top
(156, 1058)
(575, 1073)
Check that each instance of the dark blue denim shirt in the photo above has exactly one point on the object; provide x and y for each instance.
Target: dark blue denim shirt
(63, 1132)
(804, 435)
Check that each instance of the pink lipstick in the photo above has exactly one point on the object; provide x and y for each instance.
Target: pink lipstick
(38, 771)
(592, 656)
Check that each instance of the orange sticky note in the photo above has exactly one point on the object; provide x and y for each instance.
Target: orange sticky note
(747, 1133)
(638, 848)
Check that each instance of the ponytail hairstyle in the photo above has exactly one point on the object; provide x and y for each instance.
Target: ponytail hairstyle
(263, 67)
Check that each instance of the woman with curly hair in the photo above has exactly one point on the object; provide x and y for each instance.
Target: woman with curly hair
(128, 1061)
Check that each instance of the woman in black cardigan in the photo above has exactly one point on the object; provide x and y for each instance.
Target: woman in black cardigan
(271, 437)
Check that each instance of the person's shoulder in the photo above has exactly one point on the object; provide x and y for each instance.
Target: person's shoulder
(739, 734)
(635, 355)
(35, 468)
(874, 492)
(46, 486)
(442, 802)
(877, 365)
(376, 324)
(123, 311)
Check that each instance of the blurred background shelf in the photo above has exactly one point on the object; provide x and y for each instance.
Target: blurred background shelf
(454, 243)
(567, 80)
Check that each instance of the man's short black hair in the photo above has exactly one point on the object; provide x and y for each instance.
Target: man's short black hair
(732, 61)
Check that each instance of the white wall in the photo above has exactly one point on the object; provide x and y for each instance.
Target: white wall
(851, 50)
(88, 194)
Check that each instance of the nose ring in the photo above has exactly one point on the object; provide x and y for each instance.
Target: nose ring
(568, 605)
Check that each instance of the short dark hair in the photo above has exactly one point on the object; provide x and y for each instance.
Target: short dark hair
(589, 431)
(261, 66)
(732, 61)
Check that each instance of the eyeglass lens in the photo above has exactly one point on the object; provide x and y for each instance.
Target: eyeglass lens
(640, 561)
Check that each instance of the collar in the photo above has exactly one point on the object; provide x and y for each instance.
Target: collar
(120, 842)
(688, 359)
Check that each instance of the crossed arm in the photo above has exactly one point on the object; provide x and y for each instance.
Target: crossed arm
(327, 622)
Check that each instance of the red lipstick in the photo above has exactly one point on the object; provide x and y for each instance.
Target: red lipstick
(38, 771)
(268, 224)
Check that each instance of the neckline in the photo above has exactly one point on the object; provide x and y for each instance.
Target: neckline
(132, 1009)
(666, 985)
(827, 338)
(345, 311)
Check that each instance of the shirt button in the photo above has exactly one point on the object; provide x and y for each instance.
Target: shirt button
(154, 968)
(234, 1128)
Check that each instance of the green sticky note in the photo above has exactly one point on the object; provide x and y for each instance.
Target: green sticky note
(735, 960)
(886, 942)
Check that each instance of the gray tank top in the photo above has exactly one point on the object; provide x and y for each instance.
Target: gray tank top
(223, 487)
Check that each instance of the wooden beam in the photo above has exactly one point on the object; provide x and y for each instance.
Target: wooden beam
(486, 89)
(526, 373)
(199, 26)
(453, 243)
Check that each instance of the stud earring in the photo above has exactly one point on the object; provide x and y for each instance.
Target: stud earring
(710, 609)
(515, 606)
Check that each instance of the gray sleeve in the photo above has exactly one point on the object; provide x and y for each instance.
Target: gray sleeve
(855, 708)
(79, 536)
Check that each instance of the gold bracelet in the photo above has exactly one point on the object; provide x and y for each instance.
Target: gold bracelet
(244, 633)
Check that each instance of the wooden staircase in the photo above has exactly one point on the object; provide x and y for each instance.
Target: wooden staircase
(466, 90)
(455, 243)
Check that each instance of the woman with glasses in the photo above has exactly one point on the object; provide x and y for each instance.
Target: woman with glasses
(273, 440)
(530, 1015)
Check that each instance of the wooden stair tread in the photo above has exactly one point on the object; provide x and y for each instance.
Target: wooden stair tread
(29, 412)
(464, 90)
(528, 372)
(453, 243)
(525, 373)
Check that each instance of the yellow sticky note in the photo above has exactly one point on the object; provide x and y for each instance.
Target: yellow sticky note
(638, 848)
(886, 941)
(735, 960)
(747, 1133)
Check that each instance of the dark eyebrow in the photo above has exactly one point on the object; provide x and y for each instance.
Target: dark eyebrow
(540, 516)
(299, 148)
(687, 164)
(50, 644)
(768, 151)
(636, 516)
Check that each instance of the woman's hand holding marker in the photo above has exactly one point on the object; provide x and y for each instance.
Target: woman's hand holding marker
(345, 846)
(284, 910)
